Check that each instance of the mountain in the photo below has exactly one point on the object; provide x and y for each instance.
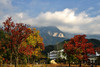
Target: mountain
(51, 31)
(51, 35)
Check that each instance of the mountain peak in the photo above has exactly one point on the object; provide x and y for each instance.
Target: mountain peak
(52, 33)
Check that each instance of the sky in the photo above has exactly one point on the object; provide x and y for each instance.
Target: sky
(73, 16)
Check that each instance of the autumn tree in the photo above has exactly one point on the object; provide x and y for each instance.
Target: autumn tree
(1, 53)
(79, 47)
(18, 33)
(69, 50)
(33, 45)
(21, 39)
(3, 48)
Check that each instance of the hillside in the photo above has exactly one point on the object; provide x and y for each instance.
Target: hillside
(60, 45)
(95, 42)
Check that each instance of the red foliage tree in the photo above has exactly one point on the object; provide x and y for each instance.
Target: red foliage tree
(69, 50)
(97, 49)
(28, 50)
(82, 43)
(79, 46)
(17, 32)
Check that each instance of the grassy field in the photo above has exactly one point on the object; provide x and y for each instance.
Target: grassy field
(46, 65)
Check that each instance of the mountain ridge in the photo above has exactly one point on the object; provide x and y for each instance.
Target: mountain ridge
(52, 35)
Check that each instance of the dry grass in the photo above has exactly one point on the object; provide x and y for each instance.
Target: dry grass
(45, 65)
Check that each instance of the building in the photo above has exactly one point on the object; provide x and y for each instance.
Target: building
(57, 54)
(93, 58)
(53, 54)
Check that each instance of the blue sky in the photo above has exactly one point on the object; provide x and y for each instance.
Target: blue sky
(35, 7)
(73, 16)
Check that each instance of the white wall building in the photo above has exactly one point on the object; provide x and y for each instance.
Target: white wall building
(56, 54)
(93, 58)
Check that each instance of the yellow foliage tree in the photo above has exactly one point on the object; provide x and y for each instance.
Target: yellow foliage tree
(33, 45)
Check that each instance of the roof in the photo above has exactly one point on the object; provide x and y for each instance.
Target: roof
(53, 51)
(92, 56)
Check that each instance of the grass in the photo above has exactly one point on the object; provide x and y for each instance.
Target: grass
(45, 65)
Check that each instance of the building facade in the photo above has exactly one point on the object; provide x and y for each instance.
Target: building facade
(57, 54)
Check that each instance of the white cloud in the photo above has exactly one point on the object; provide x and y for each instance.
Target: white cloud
(66, 20)
(6, 4)
(20, 15)
(6, 8)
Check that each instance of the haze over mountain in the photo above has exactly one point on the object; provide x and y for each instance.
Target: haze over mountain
(52, 35)
(89, 36)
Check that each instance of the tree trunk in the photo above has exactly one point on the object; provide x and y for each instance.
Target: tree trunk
(80, 63)
(15, 63)
(11, 58)
(11, 54)
(16, 55)
(92, 63)
(28, 60)
(69, 60)
(17, 60)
